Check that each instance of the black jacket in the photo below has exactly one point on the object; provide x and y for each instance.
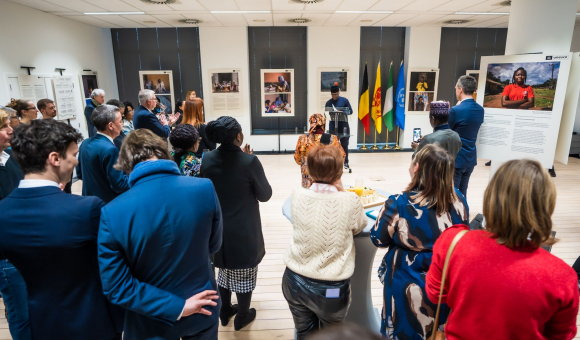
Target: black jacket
(204, 143)
(240, 182)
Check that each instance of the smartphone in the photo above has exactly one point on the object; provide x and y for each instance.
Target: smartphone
(416, 135)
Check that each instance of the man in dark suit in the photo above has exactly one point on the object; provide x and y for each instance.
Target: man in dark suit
(154, 257)
(51, 238)
(144, 118)
(98, 156)
(119, 139)
(465, 119)
(97, 99)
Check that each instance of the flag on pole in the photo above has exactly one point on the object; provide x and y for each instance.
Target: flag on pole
(363, 105)
(389, 101)
(376, 108)
(400, 99)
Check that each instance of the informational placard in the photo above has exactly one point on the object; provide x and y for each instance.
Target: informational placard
(328, 77)
(421, 90)
(523, 98)
(160, 82)
(65, 95)
(226, 92)
(32, 87)
(277, 92)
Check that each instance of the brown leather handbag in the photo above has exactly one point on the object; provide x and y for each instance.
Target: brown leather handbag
(438, 335)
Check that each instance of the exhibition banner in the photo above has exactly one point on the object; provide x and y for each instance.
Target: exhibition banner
(523, 98)
(226, 93)
(421, 90)
(277, 92)
(160, 82)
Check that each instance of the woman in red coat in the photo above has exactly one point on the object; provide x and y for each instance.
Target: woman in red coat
(500, 284)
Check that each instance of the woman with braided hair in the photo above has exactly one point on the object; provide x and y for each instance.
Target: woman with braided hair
(240, 183)
(185, 141)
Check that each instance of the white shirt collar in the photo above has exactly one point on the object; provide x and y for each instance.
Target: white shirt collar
(323, 188)
(37, 183)
(108, 137)
(4, 158)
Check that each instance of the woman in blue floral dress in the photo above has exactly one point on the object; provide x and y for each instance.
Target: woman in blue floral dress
(409, 224)
(185, 141)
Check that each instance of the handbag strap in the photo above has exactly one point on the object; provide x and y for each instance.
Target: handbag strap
(451, 247)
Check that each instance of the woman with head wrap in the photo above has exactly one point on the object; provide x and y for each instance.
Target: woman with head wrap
(306, 142)
(240, 183)
(283, 85)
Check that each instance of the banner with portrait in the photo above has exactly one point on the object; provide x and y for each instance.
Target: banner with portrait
(421, 90)
(226, 92)
(160, 82)
(277, 92)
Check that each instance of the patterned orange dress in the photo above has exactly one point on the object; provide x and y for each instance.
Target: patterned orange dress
(305, 142)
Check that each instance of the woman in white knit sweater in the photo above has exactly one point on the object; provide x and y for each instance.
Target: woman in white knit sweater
(320, 259)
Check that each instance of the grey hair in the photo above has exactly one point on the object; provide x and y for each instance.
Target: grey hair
(10, 110)
(97, 92)
(467, 83)
(145, 95)
(103, 115)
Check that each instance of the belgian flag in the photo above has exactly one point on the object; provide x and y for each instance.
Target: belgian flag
(363, 105)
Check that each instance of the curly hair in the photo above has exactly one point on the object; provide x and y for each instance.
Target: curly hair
(183, 138)
(18, 105)
(31, 144)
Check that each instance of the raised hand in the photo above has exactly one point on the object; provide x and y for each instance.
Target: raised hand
(162, 119)
(196, 303)
(173, 118)
(246, 149)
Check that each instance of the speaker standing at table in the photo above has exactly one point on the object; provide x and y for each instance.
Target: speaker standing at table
(343, 128)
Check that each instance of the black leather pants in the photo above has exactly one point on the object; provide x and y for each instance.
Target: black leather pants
(310, 307)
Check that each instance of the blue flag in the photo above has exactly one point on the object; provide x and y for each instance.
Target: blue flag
(400, 99)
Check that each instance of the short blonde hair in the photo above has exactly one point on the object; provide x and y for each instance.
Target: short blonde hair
(518, 204)
(3, 116)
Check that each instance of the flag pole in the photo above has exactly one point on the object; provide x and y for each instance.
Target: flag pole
(364, 147)
(375, 147)
(387, 147)
(397, 147)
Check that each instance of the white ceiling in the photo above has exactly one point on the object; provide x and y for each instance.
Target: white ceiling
(406, 12)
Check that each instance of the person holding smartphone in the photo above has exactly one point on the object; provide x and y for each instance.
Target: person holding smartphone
(442, 133)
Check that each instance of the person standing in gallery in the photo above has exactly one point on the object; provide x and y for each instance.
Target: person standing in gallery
(343, 128)
(97, 99)
(119, 139)
(25, 110)
(128, 118)
(442, 134)
(193, 115)
(465, 119)
(47, 108)
(51, 237)
(240, 183)
(98, 155)
(144, 118)
(154, 247)
(190, 95)
(179, 106)
(516, 290)
(408, 225)
(306, 142)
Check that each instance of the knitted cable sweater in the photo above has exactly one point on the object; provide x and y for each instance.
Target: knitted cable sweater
(322, 246)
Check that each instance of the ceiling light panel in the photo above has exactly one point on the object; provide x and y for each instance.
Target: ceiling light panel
(116, 6)
(364, 12)
(482, 13)
(390, 5)
(266, 17)
(114, 13)
(254, 5)
(122, 21)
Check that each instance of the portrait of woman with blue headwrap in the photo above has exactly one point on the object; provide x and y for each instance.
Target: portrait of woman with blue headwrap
(283, 85)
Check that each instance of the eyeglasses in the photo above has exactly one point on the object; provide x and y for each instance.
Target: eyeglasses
(31, 108)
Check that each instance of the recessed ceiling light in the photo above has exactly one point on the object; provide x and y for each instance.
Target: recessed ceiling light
(307, 2)
(259, 20)
(191, 21)
(482, 13)
(298, 21)
(366, 20)
(113, 13)
(364, 12)
(240, 12)
(149, 22)
(456, 22)
(160, 2)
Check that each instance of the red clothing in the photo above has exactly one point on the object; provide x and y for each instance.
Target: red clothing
(516, 92)
(498, 293)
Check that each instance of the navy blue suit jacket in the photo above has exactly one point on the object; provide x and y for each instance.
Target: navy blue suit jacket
(466, 119)
(144, 119)
(154, 250)
(88, 112)
(97, 156)
(51, 238)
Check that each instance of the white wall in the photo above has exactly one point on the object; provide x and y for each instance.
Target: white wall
(422, 45)
(325, 52)
(45, 41)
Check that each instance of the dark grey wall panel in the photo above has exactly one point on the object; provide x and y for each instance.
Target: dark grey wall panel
(461, 50)
(175, 49)
(278, 48)
(385, 44)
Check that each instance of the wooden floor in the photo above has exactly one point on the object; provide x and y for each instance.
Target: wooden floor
(274, 320)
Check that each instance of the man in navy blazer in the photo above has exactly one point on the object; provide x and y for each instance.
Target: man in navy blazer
(99, 154)
(51, 238)
(465, 119)
(154, 246)
(143, 118)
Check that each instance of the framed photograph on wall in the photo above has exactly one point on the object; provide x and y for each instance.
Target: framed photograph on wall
(89, 81)
(160, 82)
(277, 92)
(421, 90)
(226, 93)
(328, 77)
(474, 74)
